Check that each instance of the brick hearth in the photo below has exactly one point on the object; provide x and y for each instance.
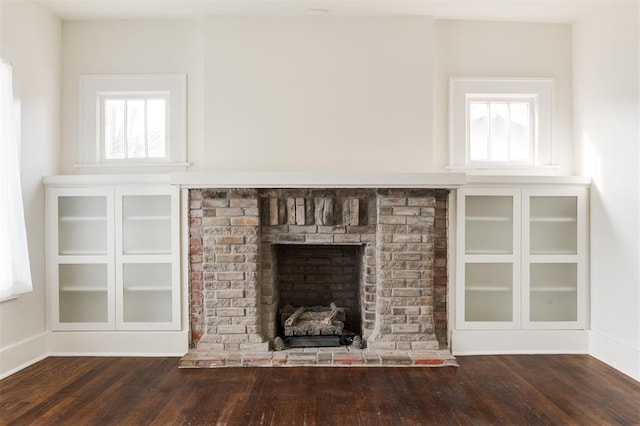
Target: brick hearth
(319, 357)
(236, 234)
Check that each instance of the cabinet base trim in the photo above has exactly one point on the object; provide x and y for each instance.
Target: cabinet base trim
(106, 343)
(504, 342)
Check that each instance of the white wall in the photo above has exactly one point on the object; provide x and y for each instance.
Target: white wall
(503, 49)
(130, 47)
(318, 93)
(607, 129)
(275, 93)
(33, 36)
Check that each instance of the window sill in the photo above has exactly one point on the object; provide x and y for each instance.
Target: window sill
(550, 170)
(134, 167)
(8, 298)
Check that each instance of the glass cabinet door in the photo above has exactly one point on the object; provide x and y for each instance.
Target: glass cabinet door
(489, 267)
(146, 292)
(553, 292)
(83, 293)
(146, 224)
(489, 224)
(554, 258)
(146, 252)
(489, 292)
(553, 223)
(82, 225)
(80, 234)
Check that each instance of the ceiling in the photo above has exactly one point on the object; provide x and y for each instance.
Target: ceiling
(500, 10)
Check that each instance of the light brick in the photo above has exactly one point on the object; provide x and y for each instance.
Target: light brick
(232, 329)
(405, 328)
(229, 294)
(230, 276)
(230, 258)
(245, 221)
(230, 240)
(230, 312)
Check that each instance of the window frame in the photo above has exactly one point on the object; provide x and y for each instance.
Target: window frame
(530, 100)
(539, 91)
(96, 87)
(126, 96)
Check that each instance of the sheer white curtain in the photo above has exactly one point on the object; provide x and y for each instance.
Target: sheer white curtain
(15, 273)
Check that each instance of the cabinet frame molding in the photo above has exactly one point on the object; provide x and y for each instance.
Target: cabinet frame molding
(522, 259)
(172, 258)
(55, 258)
(114, 257)
(579, 258)
(463, 259)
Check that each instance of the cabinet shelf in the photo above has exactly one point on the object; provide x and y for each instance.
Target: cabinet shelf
(553, 220)
(147, 218)
(554, 289)
(487, 288)
(145, 252)
(82, 253)
(143, 288)
(83, 218)
(83, 289)
(558, 252)
(488, 218)
(496, 252)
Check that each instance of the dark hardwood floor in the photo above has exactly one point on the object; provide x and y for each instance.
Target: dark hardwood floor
(484, 390)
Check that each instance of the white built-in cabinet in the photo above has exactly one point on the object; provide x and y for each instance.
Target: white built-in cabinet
(112, 256)
(521, 265)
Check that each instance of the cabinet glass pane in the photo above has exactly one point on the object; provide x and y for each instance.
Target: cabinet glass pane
(82, 292)
(554, 292)
(82, 225)
(146, 224)
(488, 292)
(147, 292)
(554, 225)
(489, 225)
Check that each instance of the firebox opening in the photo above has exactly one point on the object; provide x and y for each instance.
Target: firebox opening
(318, 275)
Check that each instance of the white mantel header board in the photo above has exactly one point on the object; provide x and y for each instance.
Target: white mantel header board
(363, 180)
(318, 180)
(214, 180)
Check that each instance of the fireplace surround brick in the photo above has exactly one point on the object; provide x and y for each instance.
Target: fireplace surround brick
(234, 234)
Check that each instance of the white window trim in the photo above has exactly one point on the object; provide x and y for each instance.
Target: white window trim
(463, 89)
(94, 87)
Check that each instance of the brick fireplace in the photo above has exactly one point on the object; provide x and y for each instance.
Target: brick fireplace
(379, 253)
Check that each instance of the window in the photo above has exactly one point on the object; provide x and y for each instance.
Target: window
(500, 124)
(500, 130)
(15, 272)
(131, 123)
(134, 126)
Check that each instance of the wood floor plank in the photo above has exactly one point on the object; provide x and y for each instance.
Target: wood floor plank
(484, 390)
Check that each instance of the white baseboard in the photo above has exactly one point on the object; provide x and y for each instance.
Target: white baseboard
(120, 343)
(22, 354)
(620, 356)
(503, 342)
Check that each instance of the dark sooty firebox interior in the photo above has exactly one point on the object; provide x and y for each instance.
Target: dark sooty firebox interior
(318, 275)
